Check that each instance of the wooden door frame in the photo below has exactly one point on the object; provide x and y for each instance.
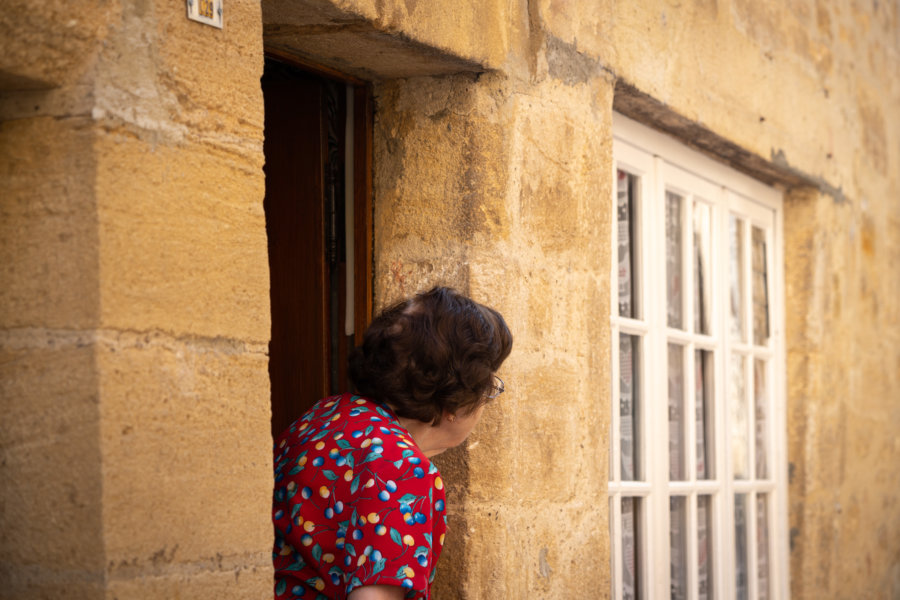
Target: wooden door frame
(363, 108)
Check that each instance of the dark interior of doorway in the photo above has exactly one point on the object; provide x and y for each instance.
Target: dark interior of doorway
(311, 242)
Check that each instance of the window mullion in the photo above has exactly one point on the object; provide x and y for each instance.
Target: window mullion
(725, 505)
(658, 397)
(747, 317)
(690, 396)
(690, 400)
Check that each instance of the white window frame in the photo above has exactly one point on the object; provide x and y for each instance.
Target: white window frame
(663, 163)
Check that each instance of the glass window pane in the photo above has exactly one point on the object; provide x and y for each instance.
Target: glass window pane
(760, 397)
(626, 192)
(613, 576)
(702, 267)
(737, 403)
(740, 546)
(631, 575)
(674, 302)
(677, 446)
(762, 544)
(736, 252)
(678, 547)
(703, 405)
(704, 548)
(760, 289)
(629, 402)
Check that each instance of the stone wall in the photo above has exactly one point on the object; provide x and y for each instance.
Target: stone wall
(134, 290)
(134, 286)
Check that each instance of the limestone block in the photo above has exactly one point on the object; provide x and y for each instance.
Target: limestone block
(249, 577)
(440, 177)
(491, 456)
(48, 224)
(477, 559)
(549, 434)
(43, 586)
(388, 40)
(170, 77)
(186, 449)
(51, 43)
(564, 542)
(487, 32)
(440, 172)
(556, 204)
(214, 75)
(590, 35)
(51, 512)
(183, 242)
(541, 550)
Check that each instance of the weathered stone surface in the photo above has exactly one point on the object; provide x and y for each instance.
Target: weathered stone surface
(43, 585)
(50, 467)
(230, 578)
(136, 179)
(185, 442)
(52, 44)
(184, 241)
(48, 233)
(843, 371)
(398, 38)
(166, 79)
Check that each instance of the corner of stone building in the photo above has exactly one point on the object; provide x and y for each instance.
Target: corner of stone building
(134, 304)
(49, 305)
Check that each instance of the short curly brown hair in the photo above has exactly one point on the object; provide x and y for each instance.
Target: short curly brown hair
(431, 353)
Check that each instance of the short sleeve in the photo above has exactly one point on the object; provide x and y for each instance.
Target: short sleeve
(396, 530)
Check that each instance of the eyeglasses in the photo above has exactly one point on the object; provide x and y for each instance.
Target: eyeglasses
(496, 389)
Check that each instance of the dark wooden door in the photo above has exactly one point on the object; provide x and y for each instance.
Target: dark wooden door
(306, 153)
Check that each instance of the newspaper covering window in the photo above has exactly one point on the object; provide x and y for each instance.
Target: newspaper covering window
(673, 261)
(627, 405)
(629, 549)
(678, 548)
(704, 549)
(702, 267)
(740, 546)
(737, 400)
(760, 290)
(762, 540)
(676, 412)
(702, 405)
(612, 555)
(624, 211)
(760, 393)
(736, 251)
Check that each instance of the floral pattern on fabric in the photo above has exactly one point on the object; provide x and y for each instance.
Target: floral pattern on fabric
(356, 503)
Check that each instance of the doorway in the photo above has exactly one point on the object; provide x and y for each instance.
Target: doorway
(318, 151)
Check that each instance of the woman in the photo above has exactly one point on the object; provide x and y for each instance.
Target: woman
(359, 508)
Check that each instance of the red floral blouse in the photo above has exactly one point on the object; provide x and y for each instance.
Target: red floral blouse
(356, 503)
